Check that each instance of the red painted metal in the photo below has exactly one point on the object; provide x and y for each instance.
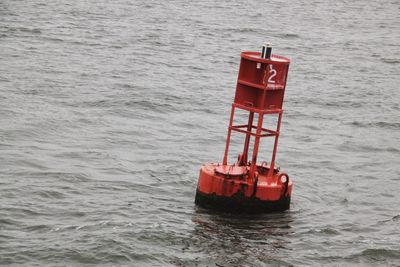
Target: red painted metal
(260, 90)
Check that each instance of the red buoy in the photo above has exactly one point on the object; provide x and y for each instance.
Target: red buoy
(245, 185)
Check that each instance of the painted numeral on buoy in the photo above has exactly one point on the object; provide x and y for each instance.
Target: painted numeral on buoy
(271, 76)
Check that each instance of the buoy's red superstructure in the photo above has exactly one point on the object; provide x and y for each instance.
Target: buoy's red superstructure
(245, 185)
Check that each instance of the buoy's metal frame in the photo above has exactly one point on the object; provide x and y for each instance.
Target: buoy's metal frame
(246, 186)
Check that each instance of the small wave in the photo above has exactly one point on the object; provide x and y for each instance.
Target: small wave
(380, 124)
(396, 218)
(327, 231)
(390, 60)
(250, 30)
(51, 194)
(150, 105)
(380, 254)
(354, 147)
(23, 29)
(289, 36)
(6, 221)
(53, 39)
(38, 227)
(388, 125)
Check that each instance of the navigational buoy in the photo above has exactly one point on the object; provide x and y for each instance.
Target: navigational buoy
(246, 186)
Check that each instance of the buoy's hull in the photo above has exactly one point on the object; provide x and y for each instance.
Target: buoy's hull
(232, 189)
(241, 204)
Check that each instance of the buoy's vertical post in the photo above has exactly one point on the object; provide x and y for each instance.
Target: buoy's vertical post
(228, 138)
(256, 145)
(278, 127)
(248, 135)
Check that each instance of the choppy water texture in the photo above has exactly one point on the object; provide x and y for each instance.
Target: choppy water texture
(109, 108)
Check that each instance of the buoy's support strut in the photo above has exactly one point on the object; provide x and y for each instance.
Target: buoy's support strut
(256, 145)
(278, 127)
(228, 138)
(248, 134)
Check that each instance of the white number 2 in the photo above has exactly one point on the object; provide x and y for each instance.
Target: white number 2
(272, 74)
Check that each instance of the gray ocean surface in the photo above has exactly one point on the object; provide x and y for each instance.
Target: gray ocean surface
(109, 108)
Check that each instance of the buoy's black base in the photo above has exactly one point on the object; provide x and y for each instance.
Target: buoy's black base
(240, 204)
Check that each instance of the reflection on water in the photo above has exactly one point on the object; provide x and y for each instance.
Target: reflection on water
(241, 239)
